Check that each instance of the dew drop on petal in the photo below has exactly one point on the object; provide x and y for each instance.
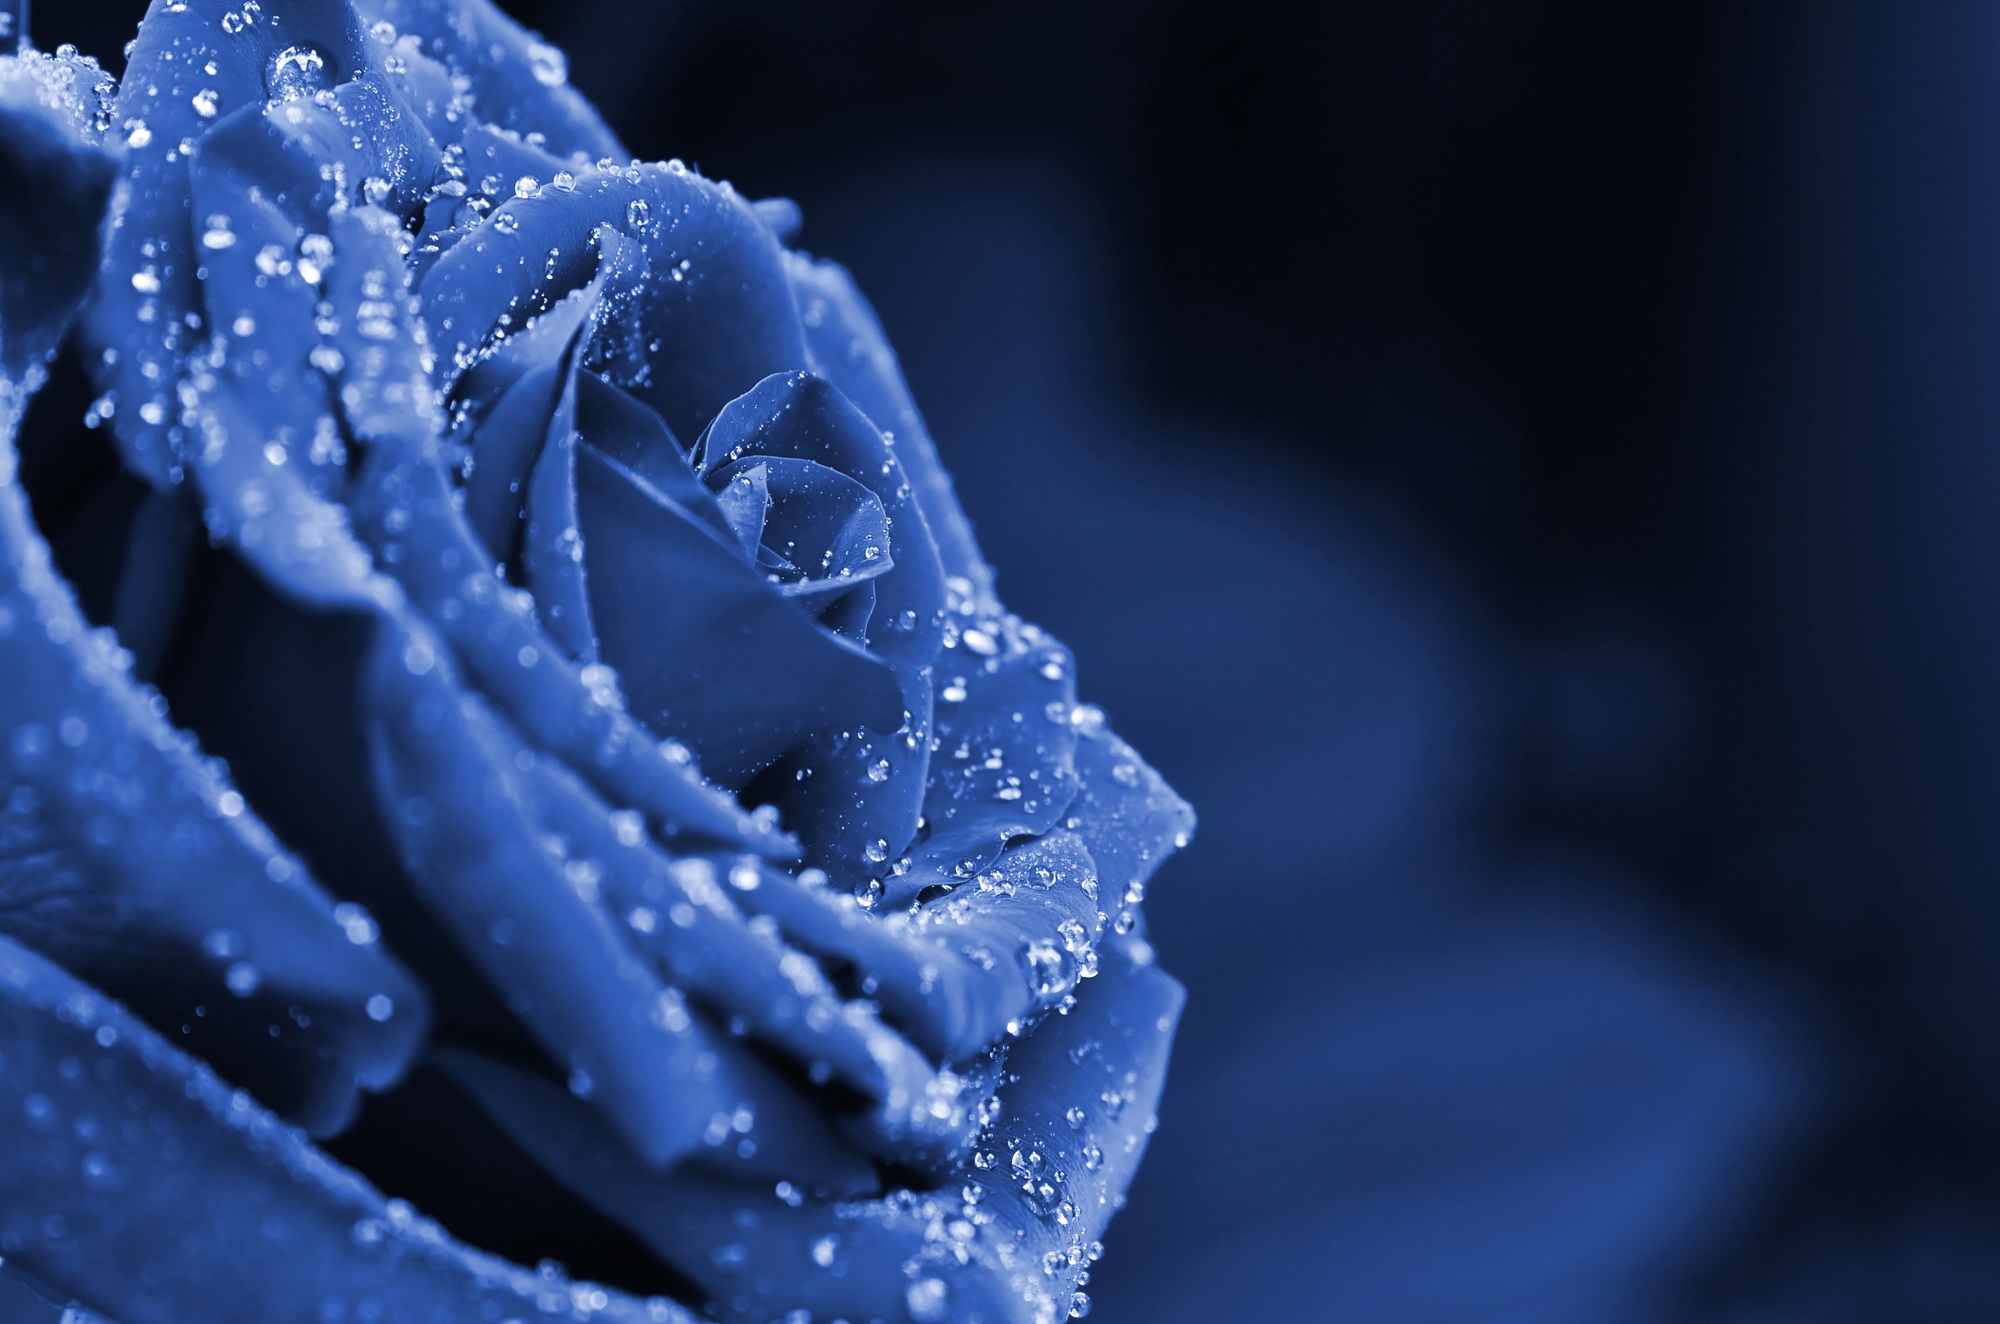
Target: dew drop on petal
(928, 1300)
(549, 65)
(297, 72)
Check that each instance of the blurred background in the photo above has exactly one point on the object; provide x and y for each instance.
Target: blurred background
(1530, 474)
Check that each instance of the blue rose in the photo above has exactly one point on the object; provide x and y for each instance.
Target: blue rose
(560, 561)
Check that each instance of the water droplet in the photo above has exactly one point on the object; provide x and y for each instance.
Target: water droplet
(824, 1249)
(296, 72)
(206, 102)
(878, 771)
(549, 65)
(380, 1007)
(525, 186)
(929, 1300)
(98, 1174)
(223, 944)
(356, 922)
(243, 979)
(1048, 968)
(638, 214)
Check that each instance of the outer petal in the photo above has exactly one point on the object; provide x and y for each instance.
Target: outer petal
(51, 152)
(1004, 1241)
(124, 852)
(149, 287)
(518, 82)
(157, 1194)
(1005, 763)
(714, 318)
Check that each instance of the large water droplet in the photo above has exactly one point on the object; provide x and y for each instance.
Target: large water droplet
(928, 1299)
(298, 71)
(549, 65)
(824, 1249)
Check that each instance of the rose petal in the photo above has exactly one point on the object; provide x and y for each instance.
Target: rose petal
(406, 505)
(1126, 813)
(681, 916)
(962, 972)
(552, 548)
(1005, 760)
(710, 652)
(50, 152)
(853, 796)
(713, 318)
(167, 101)
(132, 858)
(449, 780)
(518, 82)
(1007, 1237)
(820, 522)
(147, 1180)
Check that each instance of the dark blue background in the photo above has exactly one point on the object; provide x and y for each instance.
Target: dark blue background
(1529, 473)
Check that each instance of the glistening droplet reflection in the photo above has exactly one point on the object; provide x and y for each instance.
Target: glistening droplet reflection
(297, 72)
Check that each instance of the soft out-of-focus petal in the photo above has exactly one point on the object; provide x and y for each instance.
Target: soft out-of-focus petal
(161, 1195)
(51, 151)
(134, 860)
